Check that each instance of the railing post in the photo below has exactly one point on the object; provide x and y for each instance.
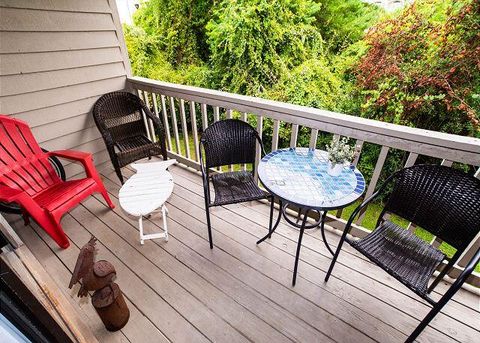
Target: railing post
(150, 124)
(313, 139)
(165, 121)
(356, 159)
(203, 108)
(144, 118)
(373, 182)
(258, 153)
(183, 119)
(193, 119)
(244, 118)
(175, 125)
(294, 136)
(276, 128)
(216, 114)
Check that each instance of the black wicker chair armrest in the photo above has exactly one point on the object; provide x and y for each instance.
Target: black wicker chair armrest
(151, 116)
(262, 148)
(365, 202)
(108, 139)
(159, 128)
(157, 123)
(107, 136)
(354, 214)
(470, 266)
(206, 186)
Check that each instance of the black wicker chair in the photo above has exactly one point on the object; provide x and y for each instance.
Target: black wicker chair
(229, 142)
(441, 200)
(119, 118)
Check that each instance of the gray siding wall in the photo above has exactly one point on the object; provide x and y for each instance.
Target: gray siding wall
(56, 58)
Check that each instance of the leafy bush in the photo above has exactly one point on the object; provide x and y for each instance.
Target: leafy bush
(343, 22)
(422, 68)
(312, 83)
(178, 27)
(254, 42)
(142, 49)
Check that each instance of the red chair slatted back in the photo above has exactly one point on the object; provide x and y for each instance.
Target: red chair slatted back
(23, 164)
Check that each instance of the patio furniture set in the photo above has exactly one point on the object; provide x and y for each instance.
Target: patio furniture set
(441, 200)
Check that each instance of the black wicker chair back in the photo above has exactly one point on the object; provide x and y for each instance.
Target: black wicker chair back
(120, 114)
(439, 199)
(229, 141)
(120, 118)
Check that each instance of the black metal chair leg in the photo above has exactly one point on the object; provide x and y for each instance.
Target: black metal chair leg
(299, 245)
(424, 323)
(272, 204)
(209, 226)
(446, 297)
(118, 171)
(335, 256)
(444, 271)
(269, 234)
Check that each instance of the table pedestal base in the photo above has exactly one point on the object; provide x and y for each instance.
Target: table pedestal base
(303, 226)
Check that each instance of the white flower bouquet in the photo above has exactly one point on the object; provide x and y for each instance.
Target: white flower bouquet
(339, 154)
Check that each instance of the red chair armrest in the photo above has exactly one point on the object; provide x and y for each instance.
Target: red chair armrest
(85, 158)
(71, 154)
(9, 194)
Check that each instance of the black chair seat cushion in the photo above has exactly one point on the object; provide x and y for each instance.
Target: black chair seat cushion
(402, 254)
(235, 187)
(133, 148)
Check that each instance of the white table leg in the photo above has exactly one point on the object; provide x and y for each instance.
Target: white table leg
(140, 226)
(163, 234)
(164, 215)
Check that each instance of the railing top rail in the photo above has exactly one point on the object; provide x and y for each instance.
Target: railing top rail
(443, 145)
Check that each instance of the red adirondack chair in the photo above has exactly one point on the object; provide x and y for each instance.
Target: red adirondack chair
(28, 179)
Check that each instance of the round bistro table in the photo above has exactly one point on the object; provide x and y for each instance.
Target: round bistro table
(299, 177)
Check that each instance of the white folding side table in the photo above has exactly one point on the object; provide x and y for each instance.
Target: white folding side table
(146, 192)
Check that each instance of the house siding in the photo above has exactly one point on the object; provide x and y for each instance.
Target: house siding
(56, 59)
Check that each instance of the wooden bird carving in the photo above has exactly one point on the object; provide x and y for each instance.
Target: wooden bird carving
(92, 275)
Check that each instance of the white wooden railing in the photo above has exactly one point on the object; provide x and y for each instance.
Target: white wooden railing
(171, 102)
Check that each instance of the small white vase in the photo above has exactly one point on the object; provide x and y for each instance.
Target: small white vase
(334, 169)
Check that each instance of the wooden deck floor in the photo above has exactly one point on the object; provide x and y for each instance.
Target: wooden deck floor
(182, 291)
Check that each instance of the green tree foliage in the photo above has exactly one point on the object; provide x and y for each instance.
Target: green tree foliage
(141, 48)
(254, 42)
(342, 23)
(417, 67)
(178, 27)
(312, 83)
(147, 59)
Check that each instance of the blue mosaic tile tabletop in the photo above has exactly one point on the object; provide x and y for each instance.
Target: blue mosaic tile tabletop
(299, 176)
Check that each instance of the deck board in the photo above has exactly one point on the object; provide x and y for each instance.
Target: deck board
(315, 254)
(210, 296)
(315, 275)
(465, 298)
(61, 266)
(237, 290)
(181, 291)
